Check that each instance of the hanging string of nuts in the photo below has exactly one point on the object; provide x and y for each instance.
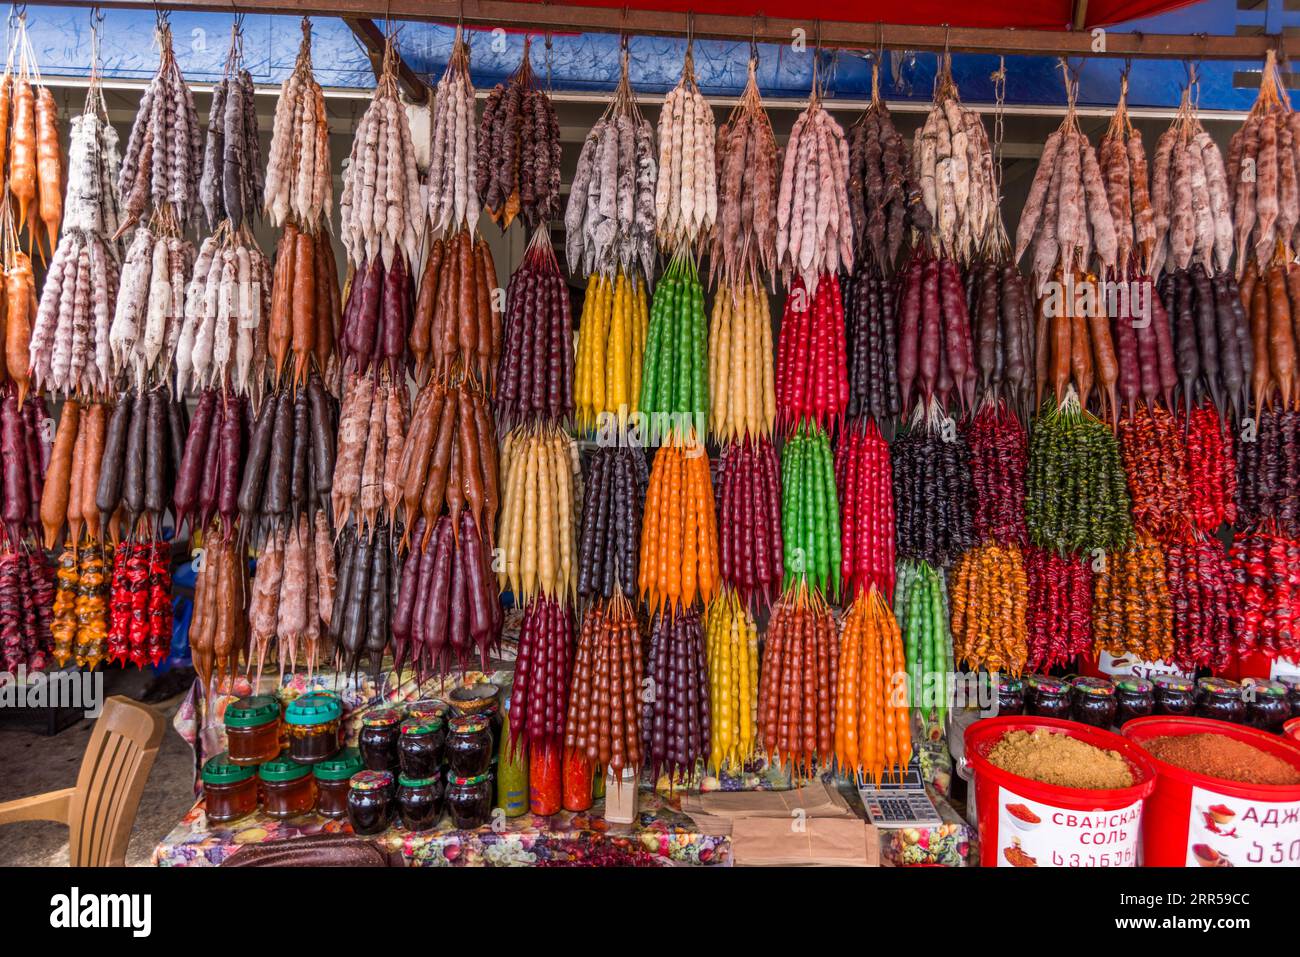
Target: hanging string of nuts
(299, 180)
(1262, 173)
(814, 231)
(231, 184)
(686, 195)
(1123, 161)
(453, 154)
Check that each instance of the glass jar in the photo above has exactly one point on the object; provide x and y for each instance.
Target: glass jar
(332, 781)
(1267, 706)
(229, 789)
(1292, 684)
(545, 787)
(469, 746)
(288, 788)
(1011, 695)
(1093, 702)
(419, 802)
(1220, 699)
(313, 725)
(253, 729)
(1175, 695)
(420, 747)
(469, 799)
(1134, 698)
(1047, 697)
(370, 801)
(512, 772)
(483, 699)
(377, 739)
(577, 780)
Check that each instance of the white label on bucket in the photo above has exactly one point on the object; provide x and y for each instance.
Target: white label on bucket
(1032, 834)
(1283, 666)
(1229, 831)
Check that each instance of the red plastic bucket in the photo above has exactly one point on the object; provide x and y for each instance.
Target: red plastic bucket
(1196, 820)
(1026, 823)
(1292, 729)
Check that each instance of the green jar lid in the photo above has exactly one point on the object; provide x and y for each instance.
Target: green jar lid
(407, 782)
(371, 780)
(1173, 683)
(1099, 687)
(340, 767)
(383, 718)
(1132, 684)
(283, 768)
(219, 770)
(421, 726)
(1219, 686)
(468, 724)
(252, 711)
(466, 782)
(1269, 689)
(318, 707)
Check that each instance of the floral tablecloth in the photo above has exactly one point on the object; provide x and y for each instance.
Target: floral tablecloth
(661, 835)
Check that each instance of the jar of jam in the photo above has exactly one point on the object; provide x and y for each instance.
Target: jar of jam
(1175, 695)
(1134, 698)
(469, 799)
(332, 781)
(288, 788)
(420, 746)
(229, 789)
(1220, 699)
(419, 802)
(377, 739)
(427, 708)
(370, 801)
(469, 746)
(1267, 706)
(313, 726)
(1047, 697)
(1011, 695)
(1292, 685)
(1093, 702)
(253, 729)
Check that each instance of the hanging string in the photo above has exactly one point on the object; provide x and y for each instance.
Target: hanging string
(999, 116)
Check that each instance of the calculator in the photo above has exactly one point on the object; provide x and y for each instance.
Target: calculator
(899, 803)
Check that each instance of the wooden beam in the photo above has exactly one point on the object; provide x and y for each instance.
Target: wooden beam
(372, 39)
(1080, 14)
(556, 17)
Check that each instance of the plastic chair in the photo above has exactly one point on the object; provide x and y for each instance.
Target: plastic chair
(100, 811)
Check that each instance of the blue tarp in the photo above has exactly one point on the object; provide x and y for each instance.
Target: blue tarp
(590, 62)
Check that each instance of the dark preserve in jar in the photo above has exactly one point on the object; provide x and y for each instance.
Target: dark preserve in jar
(333, 777)
(253, 729)
(420, 747)
(1220, 699)
(1047, 697)
(377, 739)
(1267, 707)
(1175, 695)
(483, 699)
(288, 788)
(1093, 702)
(1134, 698)
(370, 801)
(312, 722)
(469, 800)
(1011, 695)
(469, 746)
(1292, 685)
(419, 802)
(229, 790)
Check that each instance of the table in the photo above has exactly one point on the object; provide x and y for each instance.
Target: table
(662, 835)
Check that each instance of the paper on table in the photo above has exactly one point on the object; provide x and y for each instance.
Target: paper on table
(816, 799)
(770, 841)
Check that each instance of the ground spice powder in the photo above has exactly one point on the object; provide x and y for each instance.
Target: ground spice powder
(1220, 756)
(1043, 755)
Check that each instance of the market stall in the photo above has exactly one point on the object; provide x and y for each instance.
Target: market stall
(890, 406)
